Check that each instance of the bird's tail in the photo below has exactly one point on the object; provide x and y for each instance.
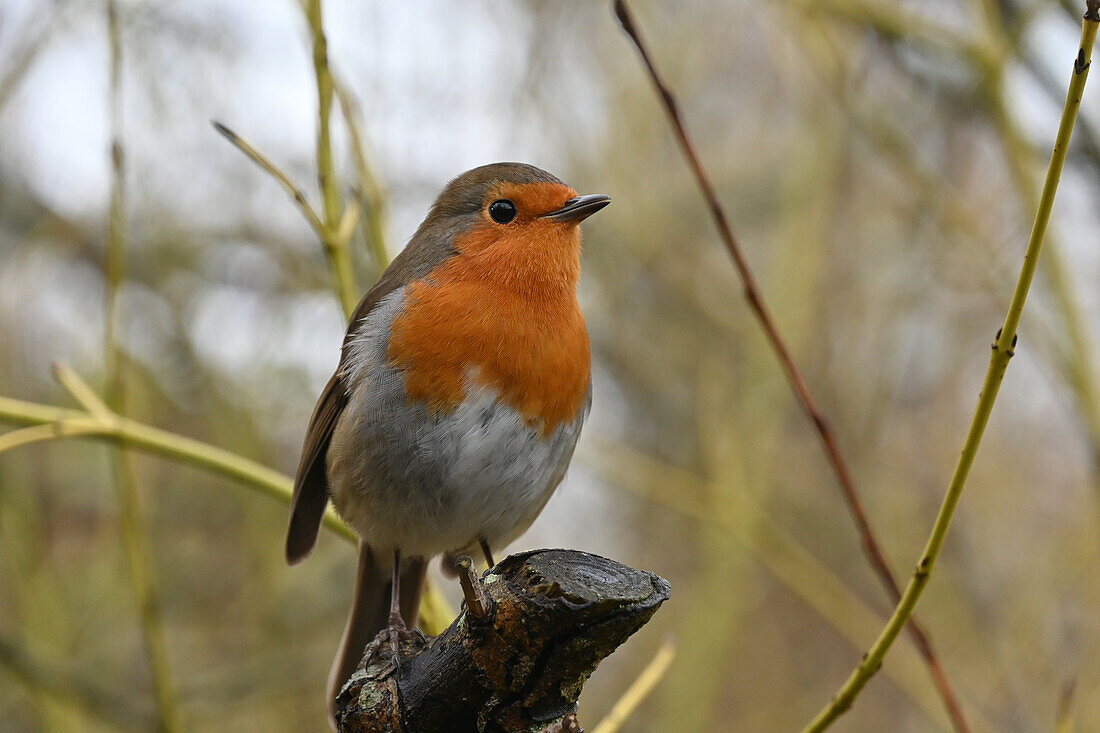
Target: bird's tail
(370, 612)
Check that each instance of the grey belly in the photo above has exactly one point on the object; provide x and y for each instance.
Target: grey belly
(405, 478)
(426, 483)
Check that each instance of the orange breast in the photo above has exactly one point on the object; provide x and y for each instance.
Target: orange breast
(505, 312)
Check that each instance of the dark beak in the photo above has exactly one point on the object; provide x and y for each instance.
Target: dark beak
(580, 208)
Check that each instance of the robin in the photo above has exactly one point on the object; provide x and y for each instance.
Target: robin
(463, 382)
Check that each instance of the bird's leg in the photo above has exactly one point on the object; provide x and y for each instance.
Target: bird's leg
(395, 630)
(396, 627)
(487, 551)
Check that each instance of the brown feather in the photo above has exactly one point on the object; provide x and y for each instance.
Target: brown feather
(307, 506)
(429, 246)
(370, 611)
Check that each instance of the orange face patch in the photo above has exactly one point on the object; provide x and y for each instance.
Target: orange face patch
(504, 310)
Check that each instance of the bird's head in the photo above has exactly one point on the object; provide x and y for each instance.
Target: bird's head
(513, 220)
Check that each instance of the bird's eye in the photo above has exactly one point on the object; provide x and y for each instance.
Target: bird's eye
(502, 211)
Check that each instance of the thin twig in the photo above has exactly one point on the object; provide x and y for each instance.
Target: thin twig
(338, 253)
(783, 556)
(1003, 348)
(991, 58)
(49, 431)
(68, 423)
(435, 612)
(650, 676)
(131, 524)
(82, 392)
(756, 302)
(477, 602)
(1063, 723)
(348, 222)
(261, 160)
(371, 192)
(1082, 373)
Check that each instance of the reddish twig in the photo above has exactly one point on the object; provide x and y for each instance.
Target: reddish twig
(756, 302)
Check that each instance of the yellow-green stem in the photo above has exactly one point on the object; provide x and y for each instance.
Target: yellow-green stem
(336, 246)
(72, 423)
(338, 253)
(284, 180)
(625, 706)
(132, 534)
(769, 543)
(335, 232)
(1080, 367)
(371, 192)
(992, 56)
(58, 422)
(1003, 346)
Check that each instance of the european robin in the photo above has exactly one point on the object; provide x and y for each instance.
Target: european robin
(463, 382)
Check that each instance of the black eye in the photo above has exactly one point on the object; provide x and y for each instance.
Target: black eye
(502, 211)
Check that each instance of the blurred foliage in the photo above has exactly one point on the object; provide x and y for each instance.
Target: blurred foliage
(879, 162)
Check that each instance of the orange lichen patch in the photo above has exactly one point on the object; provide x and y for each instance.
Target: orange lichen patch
(504, 309)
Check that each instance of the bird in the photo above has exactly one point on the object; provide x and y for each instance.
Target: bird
(463, 383)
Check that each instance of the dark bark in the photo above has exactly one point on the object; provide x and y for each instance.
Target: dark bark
(549, 618)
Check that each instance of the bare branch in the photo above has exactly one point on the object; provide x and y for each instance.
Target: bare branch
(284, 180)
(759, 307)
(554, 616)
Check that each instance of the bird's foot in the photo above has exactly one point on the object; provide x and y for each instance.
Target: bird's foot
(382, 655)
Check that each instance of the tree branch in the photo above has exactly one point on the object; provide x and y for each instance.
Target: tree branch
(1004, 345)
(755, 298)
(51, 423)
(552, 616)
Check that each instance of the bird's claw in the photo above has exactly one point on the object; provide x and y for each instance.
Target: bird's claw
(381, 658)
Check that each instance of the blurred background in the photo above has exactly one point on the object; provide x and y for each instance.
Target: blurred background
(880, 162)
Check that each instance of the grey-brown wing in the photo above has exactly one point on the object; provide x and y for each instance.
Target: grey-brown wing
(429, 246)
(307, 507)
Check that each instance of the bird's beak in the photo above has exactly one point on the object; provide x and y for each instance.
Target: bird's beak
(580, 208)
